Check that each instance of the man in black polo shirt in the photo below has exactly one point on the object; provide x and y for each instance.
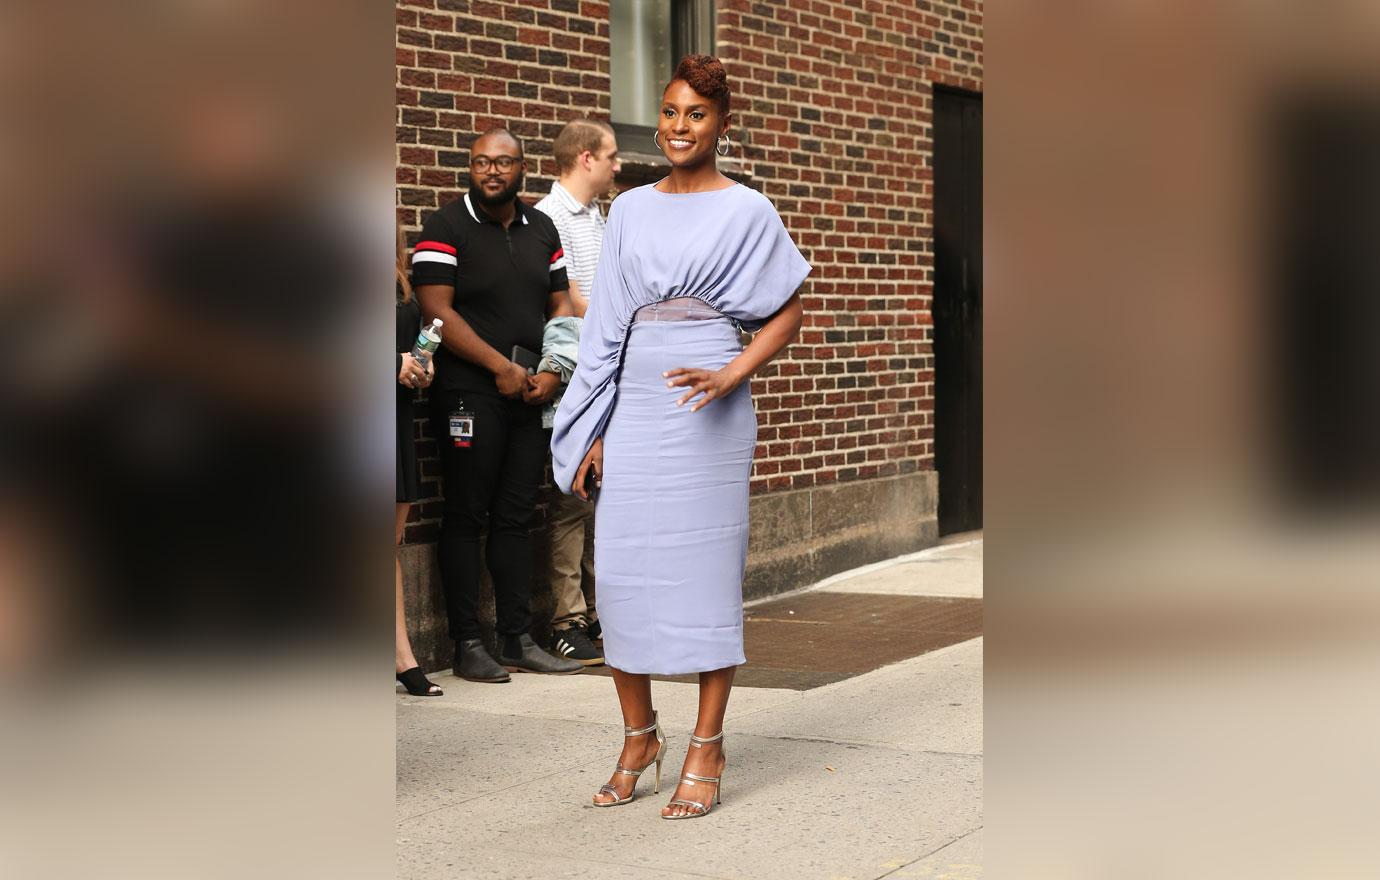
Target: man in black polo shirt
(493, 271)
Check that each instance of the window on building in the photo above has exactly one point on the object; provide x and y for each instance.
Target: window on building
(648, 38)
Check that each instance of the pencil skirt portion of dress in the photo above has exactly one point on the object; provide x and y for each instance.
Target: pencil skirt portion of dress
(671, 522)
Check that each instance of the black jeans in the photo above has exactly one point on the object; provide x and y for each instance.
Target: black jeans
(493, 482)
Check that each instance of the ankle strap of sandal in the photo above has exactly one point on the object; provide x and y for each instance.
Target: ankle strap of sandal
(628, 731)
(698, 741)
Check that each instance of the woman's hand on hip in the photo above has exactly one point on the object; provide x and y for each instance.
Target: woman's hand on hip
(593, 459)
(712, 384)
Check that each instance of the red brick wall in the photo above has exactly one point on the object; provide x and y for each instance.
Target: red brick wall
(832, 106)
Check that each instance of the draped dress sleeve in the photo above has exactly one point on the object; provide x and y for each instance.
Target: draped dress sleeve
(588, 399)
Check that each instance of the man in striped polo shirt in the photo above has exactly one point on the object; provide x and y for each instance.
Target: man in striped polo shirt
(492, 269)
(587, 160)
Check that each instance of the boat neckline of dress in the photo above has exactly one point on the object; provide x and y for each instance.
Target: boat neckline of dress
(698, 192)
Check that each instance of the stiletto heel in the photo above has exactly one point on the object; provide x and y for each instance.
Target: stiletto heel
(701, 809)
(660, 752)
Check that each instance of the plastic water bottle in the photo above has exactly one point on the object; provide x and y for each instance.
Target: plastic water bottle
(427, 343)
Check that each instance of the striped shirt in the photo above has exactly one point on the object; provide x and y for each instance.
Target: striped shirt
(582, 233)
(502, 279)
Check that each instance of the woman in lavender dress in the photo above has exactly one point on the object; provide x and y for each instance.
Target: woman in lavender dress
(659, 415)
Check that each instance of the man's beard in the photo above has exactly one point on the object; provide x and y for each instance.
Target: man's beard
(503, 197)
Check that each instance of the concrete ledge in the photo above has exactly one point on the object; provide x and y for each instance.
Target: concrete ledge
(806, 535)
(798, 537)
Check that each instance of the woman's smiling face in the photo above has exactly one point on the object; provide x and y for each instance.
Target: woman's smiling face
(689, 125)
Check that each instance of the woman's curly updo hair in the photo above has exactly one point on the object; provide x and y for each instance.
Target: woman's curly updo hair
(705, 74)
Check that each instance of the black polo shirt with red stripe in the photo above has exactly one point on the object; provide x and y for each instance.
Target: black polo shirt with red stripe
(503, 280)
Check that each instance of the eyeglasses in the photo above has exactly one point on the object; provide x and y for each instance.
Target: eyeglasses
(504, 163)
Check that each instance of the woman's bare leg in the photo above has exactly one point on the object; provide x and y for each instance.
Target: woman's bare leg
(635, 699)
(403, 658)
(708, 759)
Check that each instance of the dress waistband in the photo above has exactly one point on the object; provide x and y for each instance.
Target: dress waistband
(681, 308)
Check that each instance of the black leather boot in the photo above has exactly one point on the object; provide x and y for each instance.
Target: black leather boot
(534, 659)
(473, 663)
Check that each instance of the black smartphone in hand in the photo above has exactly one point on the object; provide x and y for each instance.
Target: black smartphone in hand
(591, 484)
(525, 358)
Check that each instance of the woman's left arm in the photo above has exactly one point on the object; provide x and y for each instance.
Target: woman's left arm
(774, 336)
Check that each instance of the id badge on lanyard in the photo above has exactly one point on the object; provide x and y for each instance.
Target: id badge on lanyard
(461, 426)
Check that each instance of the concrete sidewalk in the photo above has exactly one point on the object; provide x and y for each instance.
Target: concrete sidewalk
(875, 776)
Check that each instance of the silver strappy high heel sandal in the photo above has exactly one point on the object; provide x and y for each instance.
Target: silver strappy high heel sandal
(700, 809)
(656, 786)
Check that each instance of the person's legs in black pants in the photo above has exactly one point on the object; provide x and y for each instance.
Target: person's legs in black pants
(494, 480)
(513, 509)
(471, 477)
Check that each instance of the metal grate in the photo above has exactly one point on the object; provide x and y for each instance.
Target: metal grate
(813, 639)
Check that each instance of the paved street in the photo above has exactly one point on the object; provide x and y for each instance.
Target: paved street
(876, 774)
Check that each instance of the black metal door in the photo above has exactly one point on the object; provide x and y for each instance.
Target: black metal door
(957, 308)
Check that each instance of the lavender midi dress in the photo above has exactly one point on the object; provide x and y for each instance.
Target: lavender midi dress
(678, 274)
